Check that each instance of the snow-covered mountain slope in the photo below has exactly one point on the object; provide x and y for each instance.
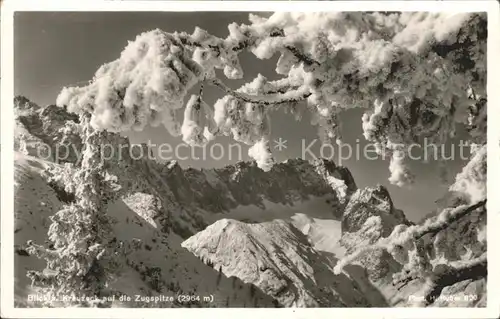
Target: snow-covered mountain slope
(277, 258)
(314, 216)
(147, 249)
(302, 231)
(34, 202)
(152, 262)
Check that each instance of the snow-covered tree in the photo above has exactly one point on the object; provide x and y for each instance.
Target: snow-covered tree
(81, 258)
(417, 74)
(76, 260)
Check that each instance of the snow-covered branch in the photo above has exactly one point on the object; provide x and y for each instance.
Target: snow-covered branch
(446, 218)
(244, 42)
(291, 96)
(445, 275)
(403, 234)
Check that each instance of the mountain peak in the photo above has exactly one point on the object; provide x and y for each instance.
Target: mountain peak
(368, 202)
(23, 103)
(277, 258)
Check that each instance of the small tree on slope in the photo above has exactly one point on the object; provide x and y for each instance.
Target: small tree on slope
(417, 75)
(78, 262)
(82, 258)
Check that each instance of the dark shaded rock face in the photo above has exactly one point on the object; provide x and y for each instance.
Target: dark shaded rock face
(246, 184)
(369, 216)
(344, 174)
(368, 202)
(23, 103)
(243, 184)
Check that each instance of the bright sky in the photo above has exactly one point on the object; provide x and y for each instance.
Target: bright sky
(53, 50)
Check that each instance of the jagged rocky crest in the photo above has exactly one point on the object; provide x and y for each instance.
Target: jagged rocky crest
(49, 132)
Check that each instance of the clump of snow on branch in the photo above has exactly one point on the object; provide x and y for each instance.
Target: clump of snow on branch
(220, 58)
(245, 121)
(471, 181)
(420, 29)
(481, 234)
(198, 125)
(261, 152)
(400, 174)
(146, 85)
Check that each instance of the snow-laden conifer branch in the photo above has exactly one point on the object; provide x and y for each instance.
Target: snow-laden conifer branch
(447, 218)
(290, 96)
(446, 275)
(242, 44)
(403, 234)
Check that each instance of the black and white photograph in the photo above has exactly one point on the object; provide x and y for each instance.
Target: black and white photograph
(248, 158)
